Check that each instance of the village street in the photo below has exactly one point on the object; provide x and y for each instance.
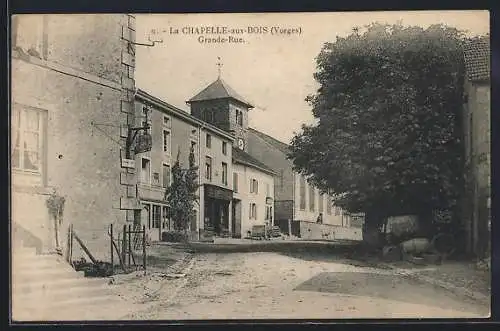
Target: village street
(267, 285)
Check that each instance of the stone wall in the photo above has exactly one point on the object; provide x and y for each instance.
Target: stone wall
(76, 75)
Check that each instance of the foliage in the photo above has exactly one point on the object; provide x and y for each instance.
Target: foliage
(181, 194)
(55, 205)
(174, 236)
(387, 138)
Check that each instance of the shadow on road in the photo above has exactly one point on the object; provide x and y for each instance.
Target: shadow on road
(390, 287)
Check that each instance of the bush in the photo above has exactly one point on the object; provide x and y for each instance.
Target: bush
(174, 236)
(100, 269)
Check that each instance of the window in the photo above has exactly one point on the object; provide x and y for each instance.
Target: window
(239, 117)
(156, 178)
(235, 182)
(254, 186)
(209, 115)
(320, 202)
(268, 190)
(156, 217)
(145, 171)
(166, 120)
(28, 140)
(28, 33)
(193, 150)
(209, 141)
(165, 216)
(253, 211)
(282, 177)
(337, 211)
(166, 175)
(302, 192)
(312, 198)
(224, 173)
(269, 213)
(208, 168)
(224, 148)
(329, 206)
(166, 141)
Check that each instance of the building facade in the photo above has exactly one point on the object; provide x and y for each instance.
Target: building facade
(72, 95)
(477, 137)
(253, 198)
(174, 134)
(299, 206)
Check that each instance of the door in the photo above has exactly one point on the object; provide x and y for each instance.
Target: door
(146, 218)
(155, 231)
(236, 224)
(233, 217)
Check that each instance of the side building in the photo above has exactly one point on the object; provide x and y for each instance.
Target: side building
(72, 92)
(477, 138)
(298, 205)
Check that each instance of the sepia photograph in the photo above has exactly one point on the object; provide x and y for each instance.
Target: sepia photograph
(257, 166)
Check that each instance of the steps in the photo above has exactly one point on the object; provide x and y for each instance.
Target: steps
(46, 287)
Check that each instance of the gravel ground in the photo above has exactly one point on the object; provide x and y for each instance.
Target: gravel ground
(462, 275)
(271, 285)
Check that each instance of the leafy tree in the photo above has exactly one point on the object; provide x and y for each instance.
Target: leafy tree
(181, 194)
(387, 137)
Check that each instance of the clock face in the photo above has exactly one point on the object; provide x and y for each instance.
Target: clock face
(241, 143)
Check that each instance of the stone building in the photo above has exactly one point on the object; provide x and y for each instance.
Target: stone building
(72, 96)
(476, 120)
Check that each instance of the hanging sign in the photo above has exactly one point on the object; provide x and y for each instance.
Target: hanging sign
(143, 144)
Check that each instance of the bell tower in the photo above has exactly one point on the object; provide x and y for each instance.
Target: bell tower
(219, 105)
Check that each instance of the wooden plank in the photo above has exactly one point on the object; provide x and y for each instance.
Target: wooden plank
(85, 249)
(119, 256)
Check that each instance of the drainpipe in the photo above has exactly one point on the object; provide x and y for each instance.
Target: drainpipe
(199, 183)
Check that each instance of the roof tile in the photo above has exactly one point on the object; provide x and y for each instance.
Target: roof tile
(477, 59)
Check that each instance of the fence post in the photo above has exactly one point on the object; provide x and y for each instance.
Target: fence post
(289, 227)
(124, 243)
(144, 246)
(112, 251)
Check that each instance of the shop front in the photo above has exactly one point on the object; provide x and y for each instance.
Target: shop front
(155, 216)
(217, 204)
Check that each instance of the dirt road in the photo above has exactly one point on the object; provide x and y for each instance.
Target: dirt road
(275, 286)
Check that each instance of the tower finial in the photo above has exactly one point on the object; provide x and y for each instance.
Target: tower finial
(219, 65)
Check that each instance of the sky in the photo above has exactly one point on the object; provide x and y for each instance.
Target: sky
(274, 71)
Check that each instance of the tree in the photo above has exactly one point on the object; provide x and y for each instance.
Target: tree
(387, 138)
(181, 194)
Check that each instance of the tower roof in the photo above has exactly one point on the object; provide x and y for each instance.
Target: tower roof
(219, 90)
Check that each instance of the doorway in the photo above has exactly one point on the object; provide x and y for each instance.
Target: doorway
(236, 217)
